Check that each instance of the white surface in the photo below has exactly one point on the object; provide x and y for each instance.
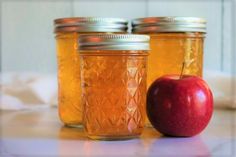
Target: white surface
(28, 42)
(39, 133)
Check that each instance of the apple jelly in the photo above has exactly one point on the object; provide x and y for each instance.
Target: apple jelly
(113, 80)
(173, 41)
(67, 31)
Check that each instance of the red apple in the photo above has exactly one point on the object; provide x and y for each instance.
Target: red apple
(179, 106)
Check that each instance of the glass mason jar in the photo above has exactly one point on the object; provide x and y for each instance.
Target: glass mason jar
(173, 41)
(67, 31)
(113, 80)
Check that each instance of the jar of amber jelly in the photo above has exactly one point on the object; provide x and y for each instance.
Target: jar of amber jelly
(113, 79)
(67, 32)
(173, 41)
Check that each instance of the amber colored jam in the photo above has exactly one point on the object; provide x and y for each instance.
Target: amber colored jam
(69, 92)
(170, 50)
(113, 93)
(68, 79)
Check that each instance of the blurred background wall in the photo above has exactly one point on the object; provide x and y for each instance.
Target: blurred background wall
(27, 39)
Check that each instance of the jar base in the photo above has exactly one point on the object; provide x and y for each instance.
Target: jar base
(80, 125)
(112, 138)
(148, 124)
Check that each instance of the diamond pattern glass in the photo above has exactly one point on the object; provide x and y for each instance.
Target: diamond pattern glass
(113, 94)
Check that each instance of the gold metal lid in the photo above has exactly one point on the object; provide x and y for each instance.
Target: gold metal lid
(168, 24)
(90, 24)
(114, 42)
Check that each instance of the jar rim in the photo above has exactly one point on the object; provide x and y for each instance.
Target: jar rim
(114, 52)
(90, 24)
(169, 24)
(114, 42)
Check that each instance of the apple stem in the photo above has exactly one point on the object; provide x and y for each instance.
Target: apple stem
(182, 70)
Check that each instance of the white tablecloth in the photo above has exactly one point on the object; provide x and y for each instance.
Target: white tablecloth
(31, 91)
(28, 91)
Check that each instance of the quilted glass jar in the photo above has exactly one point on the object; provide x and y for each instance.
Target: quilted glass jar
(113, 80)
(67, 32)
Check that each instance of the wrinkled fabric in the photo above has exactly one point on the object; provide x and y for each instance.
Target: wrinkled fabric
(27, 91)
(30, 91)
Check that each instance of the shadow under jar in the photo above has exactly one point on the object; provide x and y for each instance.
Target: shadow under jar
(174, 41)
(113, 79)
(67, 32)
